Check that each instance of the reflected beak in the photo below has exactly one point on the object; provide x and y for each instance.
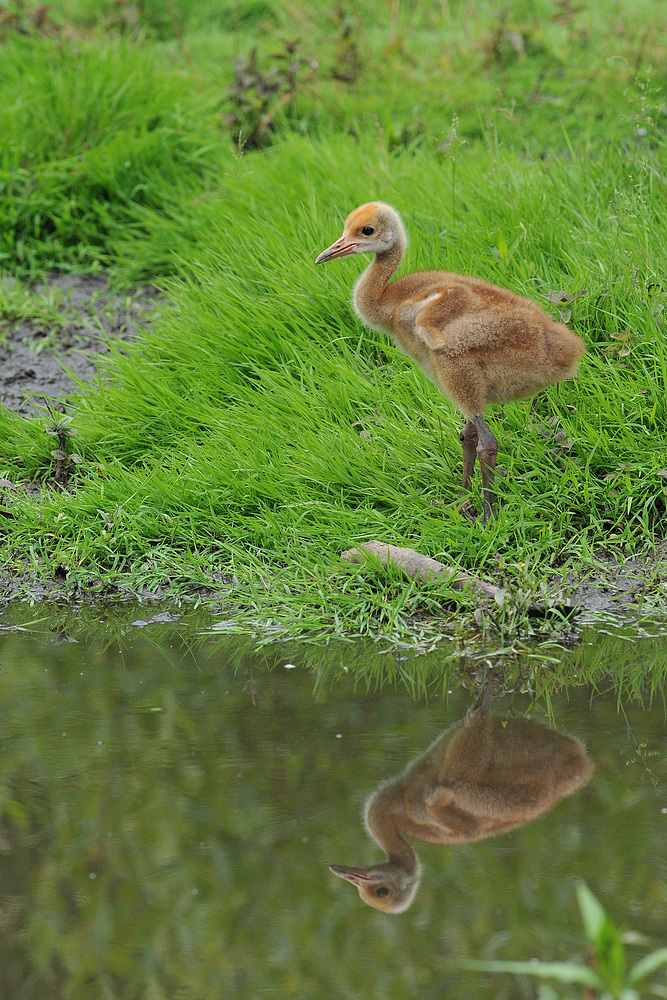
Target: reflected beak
(341, 248)
(353, 875)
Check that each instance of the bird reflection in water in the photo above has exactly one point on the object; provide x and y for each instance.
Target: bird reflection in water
(483, 776)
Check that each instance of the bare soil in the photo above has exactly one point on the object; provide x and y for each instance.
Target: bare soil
(36, 358)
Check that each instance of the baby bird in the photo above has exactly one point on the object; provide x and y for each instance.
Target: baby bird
(477, 342)
(483, 776)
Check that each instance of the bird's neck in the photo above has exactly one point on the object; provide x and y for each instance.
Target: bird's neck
(382, 825)
(373, 282)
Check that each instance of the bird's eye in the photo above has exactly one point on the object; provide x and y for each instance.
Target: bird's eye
(383, 890)
(367, 231)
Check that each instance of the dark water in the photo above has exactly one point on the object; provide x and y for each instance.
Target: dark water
(169, 806)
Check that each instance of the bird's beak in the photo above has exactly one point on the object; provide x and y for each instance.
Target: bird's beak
(353, 875)
(341, 248)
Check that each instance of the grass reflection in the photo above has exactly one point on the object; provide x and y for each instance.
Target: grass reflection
(168, 808)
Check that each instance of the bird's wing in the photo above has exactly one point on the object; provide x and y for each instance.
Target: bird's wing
(436, 311)
(457, 822)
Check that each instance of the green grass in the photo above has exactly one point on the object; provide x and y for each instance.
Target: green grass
(111, 119)
(48, 309)
(230, 437)
(92, 137)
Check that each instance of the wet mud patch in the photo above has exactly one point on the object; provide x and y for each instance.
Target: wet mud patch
(614, 586)
(62, 326)
(23, 581)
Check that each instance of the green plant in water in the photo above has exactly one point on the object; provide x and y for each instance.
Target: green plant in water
(607, 977)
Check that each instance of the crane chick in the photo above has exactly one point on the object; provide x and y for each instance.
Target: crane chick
(477, 342)
(483, 776)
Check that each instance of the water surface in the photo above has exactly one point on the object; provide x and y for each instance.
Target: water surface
(170, 804)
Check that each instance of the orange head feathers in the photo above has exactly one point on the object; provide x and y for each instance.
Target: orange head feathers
(371, 228)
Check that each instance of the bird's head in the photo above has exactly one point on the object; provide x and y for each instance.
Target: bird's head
(371, 228)
(386, 887)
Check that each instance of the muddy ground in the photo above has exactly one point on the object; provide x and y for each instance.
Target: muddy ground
(77, 316)
(636, 589)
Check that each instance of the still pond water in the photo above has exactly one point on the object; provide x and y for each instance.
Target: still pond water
(170, 803)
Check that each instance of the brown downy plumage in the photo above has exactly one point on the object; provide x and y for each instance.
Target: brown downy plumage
(478, 343)
(482, 777)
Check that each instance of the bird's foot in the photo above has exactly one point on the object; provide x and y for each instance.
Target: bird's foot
(465, 506)
(489, 511)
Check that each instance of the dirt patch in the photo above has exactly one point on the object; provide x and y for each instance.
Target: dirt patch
(63, 326)
(611, 586)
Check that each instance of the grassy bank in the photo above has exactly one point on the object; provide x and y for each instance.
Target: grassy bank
(260, 429)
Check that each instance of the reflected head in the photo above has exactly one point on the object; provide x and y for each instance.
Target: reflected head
(386, 887)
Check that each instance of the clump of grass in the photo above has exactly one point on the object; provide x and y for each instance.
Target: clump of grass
(18, 304)
(92, 136)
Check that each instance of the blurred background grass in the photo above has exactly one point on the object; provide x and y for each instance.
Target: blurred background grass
(112, 108)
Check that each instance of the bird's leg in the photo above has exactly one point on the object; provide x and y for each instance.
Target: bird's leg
(469, 447)
(483, 701)
(487, 451)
